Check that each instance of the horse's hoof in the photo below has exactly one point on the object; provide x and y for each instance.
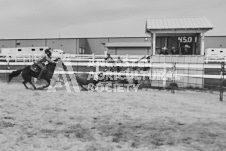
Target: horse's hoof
(39, 88)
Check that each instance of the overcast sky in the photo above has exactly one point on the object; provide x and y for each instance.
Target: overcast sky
(97, 18)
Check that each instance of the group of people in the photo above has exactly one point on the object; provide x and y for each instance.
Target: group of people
(109, 59)
(175, 51)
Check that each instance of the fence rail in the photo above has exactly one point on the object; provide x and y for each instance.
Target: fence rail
(125, 58)
(192, 69)
(68, 57)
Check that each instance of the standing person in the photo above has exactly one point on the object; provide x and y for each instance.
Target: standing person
(109, 59)
(164, 51)
(45, 57)
(174, 51)
(118, 67)
(186, 50)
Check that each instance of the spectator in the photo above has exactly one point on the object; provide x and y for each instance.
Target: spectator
(164, 51)
(186, 50)
(118, 67)
(109, 59)
(174, 51)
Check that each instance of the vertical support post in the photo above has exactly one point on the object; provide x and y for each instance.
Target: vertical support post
(173, 78)
(164, 76)
(97, 67)
(7, 68)
(93, 58)
(153, 43)
(202, 44)
(93, 61)
(222, 81)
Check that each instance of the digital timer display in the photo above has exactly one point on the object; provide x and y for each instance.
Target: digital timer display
(187, 39)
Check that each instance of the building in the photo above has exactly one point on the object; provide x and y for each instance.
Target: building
(97, 45)
(164, 34)
(184, 36)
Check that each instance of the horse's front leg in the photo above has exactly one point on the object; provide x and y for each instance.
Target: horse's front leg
(32, 85)
(24, 82)
(48, 83)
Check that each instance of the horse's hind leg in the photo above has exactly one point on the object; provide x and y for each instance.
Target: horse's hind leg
(24, 82)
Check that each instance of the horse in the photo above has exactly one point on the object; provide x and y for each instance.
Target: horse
(29, 71)
(88, 79)
(92, 81)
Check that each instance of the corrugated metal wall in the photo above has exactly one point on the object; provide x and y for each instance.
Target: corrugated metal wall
(215, 42)
(96, 45)
(132, 39)
(68, 45)
(93, 45)
(31, 43)
(7, 43)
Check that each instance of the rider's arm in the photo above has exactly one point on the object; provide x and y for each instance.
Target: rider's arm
(48, 59)
(39, 59)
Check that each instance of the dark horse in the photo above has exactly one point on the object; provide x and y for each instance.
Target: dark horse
(87, 79)
(28, 73)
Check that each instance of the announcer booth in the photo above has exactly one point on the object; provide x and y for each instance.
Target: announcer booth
(179, 41)
(178, 36)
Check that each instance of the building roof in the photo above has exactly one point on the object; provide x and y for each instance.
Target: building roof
(128, 44)
(178, 23)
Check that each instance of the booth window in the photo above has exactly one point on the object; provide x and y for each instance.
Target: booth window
(176, 45)
(41, 49)
(19, 49)
(32, 49)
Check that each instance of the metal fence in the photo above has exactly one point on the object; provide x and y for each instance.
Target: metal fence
(172, 72)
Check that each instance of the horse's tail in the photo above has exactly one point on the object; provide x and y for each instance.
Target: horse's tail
(14, 74)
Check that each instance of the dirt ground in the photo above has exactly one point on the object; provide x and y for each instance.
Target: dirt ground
(102, 121)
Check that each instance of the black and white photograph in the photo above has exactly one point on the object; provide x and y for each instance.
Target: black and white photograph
(113, 75)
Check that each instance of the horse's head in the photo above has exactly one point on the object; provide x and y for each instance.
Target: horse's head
(55, 60)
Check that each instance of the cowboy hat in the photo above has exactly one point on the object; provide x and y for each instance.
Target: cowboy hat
(164, 48)
(186, 46)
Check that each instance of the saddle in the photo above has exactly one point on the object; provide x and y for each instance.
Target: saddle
(34, 67)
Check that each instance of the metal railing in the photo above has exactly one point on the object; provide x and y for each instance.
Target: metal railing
(68, 57)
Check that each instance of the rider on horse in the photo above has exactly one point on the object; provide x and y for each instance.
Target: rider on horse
(43, 59)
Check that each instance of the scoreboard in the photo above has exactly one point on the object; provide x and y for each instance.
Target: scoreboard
(188, 41)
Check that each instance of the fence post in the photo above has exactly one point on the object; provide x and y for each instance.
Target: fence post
(7, 70)
(222, 81)
(173, 78)
(127, 57)
(93, 60)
